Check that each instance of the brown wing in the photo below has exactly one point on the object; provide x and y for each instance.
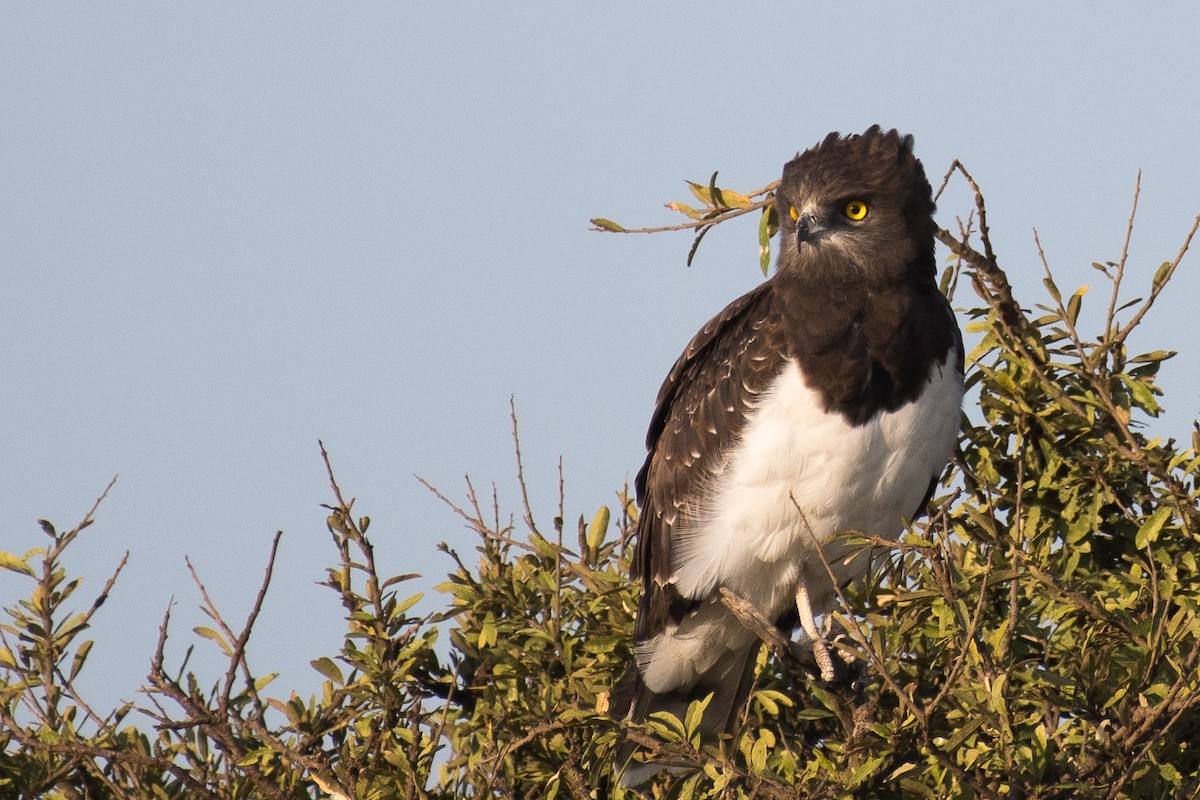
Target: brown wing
(700, 411)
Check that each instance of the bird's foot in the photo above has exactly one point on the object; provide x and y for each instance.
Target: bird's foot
(829, 664)
(817, 647)
(817, 659)
(824, 661)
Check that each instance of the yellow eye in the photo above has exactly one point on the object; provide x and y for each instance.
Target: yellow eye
(793, 213)
(856, 210)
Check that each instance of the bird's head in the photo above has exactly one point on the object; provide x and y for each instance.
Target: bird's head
(856, 204)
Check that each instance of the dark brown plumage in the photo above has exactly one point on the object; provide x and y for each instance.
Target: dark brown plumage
(850, 338)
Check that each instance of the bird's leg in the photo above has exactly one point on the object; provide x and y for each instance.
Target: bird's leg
(809, 624)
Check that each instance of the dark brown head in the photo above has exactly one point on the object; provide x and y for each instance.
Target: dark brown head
(858, 204)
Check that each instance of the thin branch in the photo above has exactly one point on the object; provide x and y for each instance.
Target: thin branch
(355, 531)
(1158, 285)
(239, 646)
(1076, 339)
(67, 682)
(476, 522)
(87, 520)
(337, 490)
(1110, 317)
(556, 607)
(209, 607)
(512, 405)
(707, 221)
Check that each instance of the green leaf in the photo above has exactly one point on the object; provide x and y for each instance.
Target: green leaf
(684, 209)
(1052, 287)
(598, 529)
(408, 576)
(406, 604)
(1149, 530)
(1143, 395)
(961, 734)
(814, 713)
(1161, 274)
(758, 756)
(6, 659)
(258, 755)
(768, 224)
(770, 700)
(695, 713)
(735, 200)
(864, 771)
(664, 723)
(1116, 697)
(209, 633)
(329, 669)
(607, 225)
(687, 789)
(261, 683)
(1154, 356)
(487, 632)
(702, 193)
(979, 326)
(11, 562)
(1076, 303)
(71, 627)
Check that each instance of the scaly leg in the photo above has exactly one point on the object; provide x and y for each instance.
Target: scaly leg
(819, 650)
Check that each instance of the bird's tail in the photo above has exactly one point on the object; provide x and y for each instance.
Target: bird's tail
(728, 681)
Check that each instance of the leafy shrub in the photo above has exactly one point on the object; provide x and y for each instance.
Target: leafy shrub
(1037, 636)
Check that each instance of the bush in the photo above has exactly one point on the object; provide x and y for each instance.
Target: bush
(1037, 636)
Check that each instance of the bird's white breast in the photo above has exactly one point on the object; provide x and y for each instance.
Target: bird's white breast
(798, 476)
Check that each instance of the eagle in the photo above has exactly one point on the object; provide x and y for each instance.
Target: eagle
(826, 400)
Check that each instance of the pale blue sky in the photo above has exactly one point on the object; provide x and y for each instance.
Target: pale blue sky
(228, 230)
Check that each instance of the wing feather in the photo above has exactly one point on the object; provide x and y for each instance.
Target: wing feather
(700, 411)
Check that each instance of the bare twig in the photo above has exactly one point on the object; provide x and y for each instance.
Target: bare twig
(239, 646)
(556, 601)
(1160, 283)
(88, 518)
(512, 405)
(1110, 317)
(476, 522)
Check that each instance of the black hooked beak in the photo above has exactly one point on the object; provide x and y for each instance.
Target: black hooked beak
(808, 227)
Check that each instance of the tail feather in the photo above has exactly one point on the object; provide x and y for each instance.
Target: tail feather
(728, 681)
